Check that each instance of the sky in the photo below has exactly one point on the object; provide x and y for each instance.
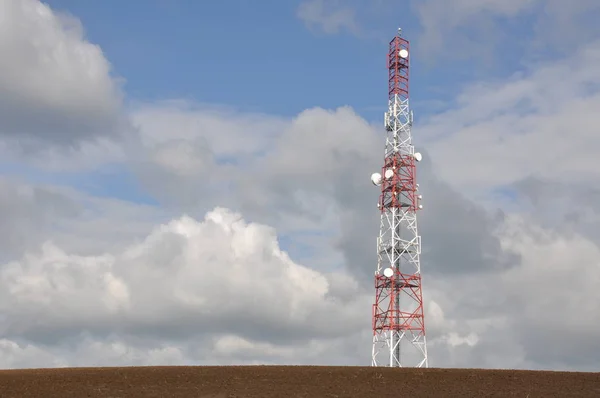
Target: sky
(187, 182)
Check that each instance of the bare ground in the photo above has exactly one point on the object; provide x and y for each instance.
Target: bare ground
(293, 381)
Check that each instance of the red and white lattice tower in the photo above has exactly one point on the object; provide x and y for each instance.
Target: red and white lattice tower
(398, 324)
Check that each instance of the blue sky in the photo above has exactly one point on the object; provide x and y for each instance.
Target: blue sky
(258, 56)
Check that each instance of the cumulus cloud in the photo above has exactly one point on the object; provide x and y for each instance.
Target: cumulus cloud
(220, 278)
(185, 143)
(56, 88)
(284, 187)
(267, 174)
(465, 251)
(149, 302)
(216, 291)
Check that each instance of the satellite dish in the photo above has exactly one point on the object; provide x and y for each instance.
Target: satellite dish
(389, 173)
(388, 272)
(420, 196)
(418, 157)
(376, 178)
(420, 207)
(403, 53)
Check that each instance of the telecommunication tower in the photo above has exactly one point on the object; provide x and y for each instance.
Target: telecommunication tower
(398, 321)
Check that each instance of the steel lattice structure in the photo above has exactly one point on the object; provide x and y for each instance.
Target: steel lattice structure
(398, 321)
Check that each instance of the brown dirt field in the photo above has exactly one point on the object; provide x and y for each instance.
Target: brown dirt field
(293, 381)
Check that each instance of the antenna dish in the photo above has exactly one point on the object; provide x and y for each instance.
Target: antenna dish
(388, 272)
(403, 53)
(418, 157)
(389, 173)
(376, 178)
(420, 207)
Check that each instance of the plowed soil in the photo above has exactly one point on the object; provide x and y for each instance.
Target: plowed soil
(293, 381)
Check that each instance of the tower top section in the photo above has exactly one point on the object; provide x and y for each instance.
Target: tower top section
(398, 66)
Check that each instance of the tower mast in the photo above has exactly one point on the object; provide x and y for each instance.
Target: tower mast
(398, 321)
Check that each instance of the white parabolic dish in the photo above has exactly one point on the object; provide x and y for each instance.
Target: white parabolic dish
(376, 178)
(388, 272)
(389, 173)
(418, 156)
(403, 53)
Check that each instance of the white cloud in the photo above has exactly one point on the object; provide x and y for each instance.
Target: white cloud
(26, 213)
(217, 268)
(258, 160)
(241, 133)
(222, 291)
(539, 123)
(333, 195)
(48, 65)
(162, 286)
(56, 88)
(554, 291)
(182, 143)
(89, 352)
(328, 16)
(181, 294)
(221, 277)
(469, 27)
(441, 21)
(77, 222)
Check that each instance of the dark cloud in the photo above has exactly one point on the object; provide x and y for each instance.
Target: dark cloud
(458, 235)
(564, 206)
